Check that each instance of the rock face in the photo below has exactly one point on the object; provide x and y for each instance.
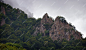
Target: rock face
(2, 22)
(41, 28)
(46, 19)
(59, 29)
(3, 10)
(62, 30)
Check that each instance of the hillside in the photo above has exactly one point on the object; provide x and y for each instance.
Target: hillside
(17, 32)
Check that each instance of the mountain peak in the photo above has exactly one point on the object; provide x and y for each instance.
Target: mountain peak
(46, 19)
(45, 15)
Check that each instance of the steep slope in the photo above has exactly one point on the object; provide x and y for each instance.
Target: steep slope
(58, 29)
(62, 30)
(45, 21)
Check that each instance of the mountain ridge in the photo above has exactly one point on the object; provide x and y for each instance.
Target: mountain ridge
(57, 25)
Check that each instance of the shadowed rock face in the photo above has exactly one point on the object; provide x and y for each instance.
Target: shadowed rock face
(59, 30)
(3, 10)
(2, 21)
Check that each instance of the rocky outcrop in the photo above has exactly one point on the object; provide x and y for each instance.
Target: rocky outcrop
(41, 28)
(46, 19)
(3, 10)
(2, 22)
(59, 29)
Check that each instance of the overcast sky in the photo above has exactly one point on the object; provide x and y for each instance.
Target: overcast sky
(74, 11)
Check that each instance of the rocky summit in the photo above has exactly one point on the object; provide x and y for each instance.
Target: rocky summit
(58, 29)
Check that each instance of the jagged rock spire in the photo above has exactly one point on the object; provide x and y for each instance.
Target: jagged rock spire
(45, 16)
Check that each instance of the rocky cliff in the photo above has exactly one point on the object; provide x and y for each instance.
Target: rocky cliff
(41, 27)
(2, 22)
(58, 29)
(3, 10)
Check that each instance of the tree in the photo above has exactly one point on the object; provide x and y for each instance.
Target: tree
(47, 33)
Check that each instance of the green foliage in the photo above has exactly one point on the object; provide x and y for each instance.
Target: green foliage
(47, 26)
(2, 16)
(84, 42)
(38, 20)
(71, 36)
(10, 46)
(62, 19)
(47, 32)
(70, 24)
